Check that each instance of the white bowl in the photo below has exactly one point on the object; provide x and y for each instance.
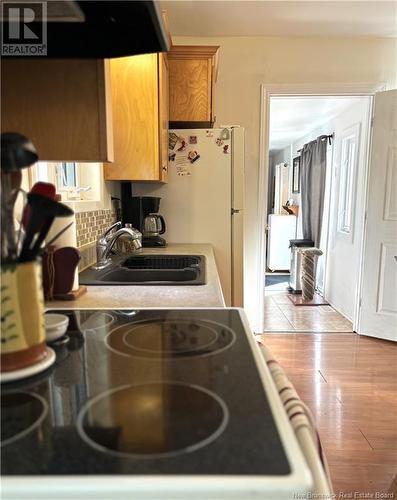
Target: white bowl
(55, 326)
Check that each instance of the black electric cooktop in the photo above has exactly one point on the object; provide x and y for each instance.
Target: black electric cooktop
(144, 392)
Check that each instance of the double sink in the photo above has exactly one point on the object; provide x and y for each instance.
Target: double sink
(148, 270)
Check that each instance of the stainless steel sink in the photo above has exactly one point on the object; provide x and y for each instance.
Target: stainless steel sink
(149, 270)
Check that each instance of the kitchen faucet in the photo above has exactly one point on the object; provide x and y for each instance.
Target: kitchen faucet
(106, 242)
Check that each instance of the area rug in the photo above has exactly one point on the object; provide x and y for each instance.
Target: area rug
(276, 279)
(298, 300)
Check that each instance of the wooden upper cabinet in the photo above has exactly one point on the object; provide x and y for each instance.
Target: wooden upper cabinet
(193, 72)
(140, 118)
(61, 105)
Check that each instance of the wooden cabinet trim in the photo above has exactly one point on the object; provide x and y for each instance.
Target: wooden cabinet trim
(210, 86)
(105, 123)
(193, 51)
(166, 26)
(215, 66)
(163, 113)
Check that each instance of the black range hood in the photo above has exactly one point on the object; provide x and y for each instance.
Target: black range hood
(102, 29)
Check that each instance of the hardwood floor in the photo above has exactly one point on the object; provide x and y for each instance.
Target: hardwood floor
(350, 384)
(281, 315)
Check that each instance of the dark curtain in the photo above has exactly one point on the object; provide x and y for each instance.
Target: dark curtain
(312, 172)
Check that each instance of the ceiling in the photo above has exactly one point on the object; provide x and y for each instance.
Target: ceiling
(338, 18)
(291, 118)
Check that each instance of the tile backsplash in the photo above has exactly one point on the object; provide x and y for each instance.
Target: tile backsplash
(89, 226)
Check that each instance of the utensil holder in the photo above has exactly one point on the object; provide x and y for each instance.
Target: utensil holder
(22, 315)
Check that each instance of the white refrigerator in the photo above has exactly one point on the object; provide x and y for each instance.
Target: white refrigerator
(203, 200)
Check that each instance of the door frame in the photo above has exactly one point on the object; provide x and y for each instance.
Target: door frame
(269, 90)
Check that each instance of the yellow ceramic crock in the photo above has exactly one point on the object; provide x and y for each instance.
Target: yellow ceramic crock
(22, 315)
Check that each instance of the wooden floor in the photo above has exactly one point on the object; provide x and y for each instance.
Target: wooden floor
(282, 315)
(350, 384)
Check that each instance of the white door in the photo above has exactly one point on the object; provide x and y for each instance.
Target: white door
(347, 204)
(378, 312)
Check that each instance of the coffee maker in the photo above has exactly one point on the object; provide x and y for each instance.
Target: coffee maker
(142, 213)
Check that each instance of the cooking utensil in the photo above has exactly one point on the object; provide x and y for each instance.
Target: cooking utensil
(44, 189)
(17, 152)
(43, 212)
(59, 234)
(7, 216)
(48, 210)
(16, 180)
(24, 198)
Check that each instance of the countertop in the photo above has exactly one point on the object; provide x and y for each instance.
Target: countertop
(141, 296)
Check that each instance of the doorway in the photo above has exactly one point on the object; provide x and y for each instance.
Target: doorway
(343, 122)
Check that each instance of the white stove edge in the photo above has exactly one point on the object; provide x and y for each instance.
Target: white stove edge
(175, 487)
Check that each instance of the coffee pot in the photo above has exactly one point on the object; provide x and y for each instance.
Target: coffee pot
(142, 213)
(153, 225)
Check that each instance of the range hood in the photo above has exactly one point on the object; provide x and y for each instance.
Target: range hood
(102, 29)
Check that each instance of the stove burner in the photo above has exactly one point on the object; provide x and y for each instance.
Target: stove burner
(170, 338)
(154, 420)
(95, 321)
(21, 413)
(181, 337)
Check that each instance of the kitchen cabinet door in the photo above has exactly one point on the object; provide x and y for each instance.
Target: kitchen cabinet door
(61, 105)
(140, 118)
(193, 72)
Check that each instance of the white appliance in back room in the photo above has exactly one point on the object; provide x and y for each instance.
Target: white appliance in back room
(203, 200)
(282, 229)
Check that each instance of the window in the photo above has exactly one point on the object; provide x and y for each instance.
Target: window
(73, 181)
(67, 176)
(347, 178)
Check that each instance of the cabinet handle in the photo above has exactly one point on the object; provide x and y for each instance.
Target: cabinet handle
(165, 168)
